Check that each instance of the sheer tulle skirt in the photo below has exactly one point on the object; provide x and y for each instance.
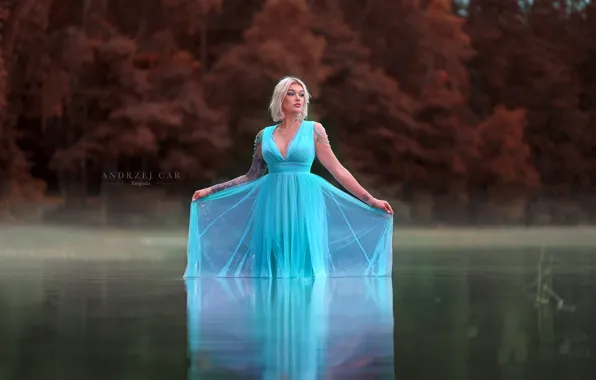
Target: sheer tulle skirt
(289, 224)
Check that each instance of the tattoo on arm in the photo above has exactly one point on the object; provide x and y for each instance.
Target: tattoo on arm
(257, 169)
(226, 185)
(365, 198)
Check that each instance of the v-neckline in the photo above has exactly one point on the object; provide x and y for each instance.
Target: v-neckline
(289, 144)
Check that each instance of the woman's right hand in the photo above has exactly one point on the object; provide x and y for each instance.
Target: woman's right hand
(201, 193)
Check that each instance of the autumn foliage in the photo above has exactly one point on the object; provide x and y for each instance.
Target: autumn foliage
(475, 112)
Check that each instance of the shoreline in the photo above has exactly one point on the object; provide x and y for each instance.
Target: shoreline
(127, 244)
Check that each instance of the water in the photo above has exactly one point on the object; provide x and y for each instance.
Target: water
(487, 314)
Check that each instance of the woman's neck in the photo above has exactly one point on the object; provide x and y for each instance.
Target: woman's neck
(290, 123)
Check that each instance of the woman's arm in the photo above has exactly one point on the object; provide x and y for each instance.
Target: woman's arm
(340, 173)
(257, 169)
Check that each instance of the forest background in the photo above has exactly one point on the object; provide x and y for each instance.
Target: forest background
(464, 113)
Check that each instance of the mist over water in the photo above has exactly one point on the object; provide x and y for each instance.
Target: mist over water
(111, 303)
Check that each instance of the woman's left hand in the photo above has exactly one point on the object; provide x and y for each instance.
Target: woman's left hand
(382, 205)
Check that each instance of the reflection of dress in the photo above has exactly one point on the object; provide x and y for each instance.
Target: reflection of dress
(288, 223)
(340, 328)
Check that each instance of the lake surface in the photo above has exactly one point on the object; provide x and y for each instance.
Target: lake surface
(448, 314)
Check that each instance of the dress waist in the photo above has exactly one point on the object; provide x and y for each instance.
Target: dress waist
(288, 167)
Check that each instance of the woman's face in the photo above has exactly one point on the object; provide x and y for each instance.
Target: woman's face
(294, 100)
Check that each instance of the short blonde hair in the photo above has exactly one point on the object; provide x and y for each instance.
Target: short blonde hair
(279, 94)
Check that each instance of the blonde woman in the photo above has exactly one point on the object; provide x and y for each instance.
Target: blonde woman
(289, 222)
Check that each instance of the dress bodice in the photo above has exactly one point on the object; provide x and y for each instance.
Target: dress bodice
(300, 153)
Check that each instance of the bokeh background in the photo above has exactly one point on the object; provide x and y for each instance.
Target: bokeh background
(457, 112)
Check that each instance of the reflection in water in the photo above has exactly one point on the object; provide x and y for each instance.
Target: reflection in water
(290, 329)
(446, 315)
(511, 315)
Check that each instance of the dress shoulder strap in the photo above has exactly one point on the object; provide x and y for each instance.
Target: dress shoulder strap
(259, 136)
(266, 131)
(320, 134)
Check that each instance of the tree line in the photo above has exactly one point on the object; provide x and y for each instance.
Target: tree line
(461, 112)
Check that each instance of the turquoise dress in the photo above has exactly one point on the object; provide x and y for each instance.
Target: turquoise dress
(287, 223)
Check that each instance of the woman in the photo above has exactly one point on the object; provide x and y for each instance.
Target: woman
(290, 222)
